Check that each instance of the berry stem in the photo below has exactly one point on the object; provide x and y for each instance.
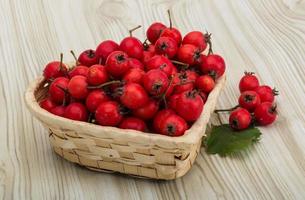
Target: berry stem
(61, 60)
(219, 118)
(170, 19)
(66, 92)
(75, 58)
(103, 85)
(131, 30)
(226, 110)
(180, 63)
(209, 42)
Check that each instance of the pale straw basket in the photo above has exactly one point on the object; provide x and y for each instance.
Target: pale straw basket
(112, 149)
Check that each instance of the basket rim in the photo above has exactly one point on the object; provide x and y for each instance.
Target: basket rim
(191, 136)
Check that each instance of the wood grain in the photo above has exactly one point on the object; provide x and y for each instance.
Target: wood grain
(264, 36)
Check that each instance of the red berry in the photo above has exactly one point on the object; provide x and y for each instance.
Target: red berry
(76, 111)
(134, 96)
(240, 119)
(197, 39)
(266, 94)
(105, 48)
(160, 62)
(117, 64)
(248, 82)
(155, 82)
(78, 87)
(88, 58)
(147, 56)
(173, 101)
(205, 83)
(265, 113)
(56, 89)
(79, 70)
(172, 33)
(133, 123)
(58, 110)
(95, 98)
(47, 104)
(134, 75)
(189, 106)
(133, 47)
(184, 81)
(54, 69)
(160, 117)
(97, 75)
(189, 54)
(249, 100)
(214, 65)
(148, 111)
(166, 46)
(108, 114)
(135, 63)
(204, 96)
(154, 31)
(173, 125)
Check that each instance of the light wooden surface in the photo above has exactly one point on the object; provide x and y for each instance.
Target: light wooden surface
(267, 37)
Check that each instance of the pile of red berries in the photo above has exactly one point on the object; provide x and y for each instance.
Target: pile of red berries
(157, 86)
(256, 104)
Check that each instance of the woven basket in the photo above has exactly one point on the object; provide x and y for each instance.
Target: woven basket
(112, 149)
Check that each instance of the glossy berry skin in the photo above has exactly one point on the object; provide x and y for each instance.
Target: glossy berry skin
(172, 101)
(160, 117)
(184, 81)
(78, 87)
(58, 110)
(97, 75)
(133, 123)
(117, 64)
(95, 98)
(134, 96)
(54, 70)
(76, 111)
(197, 39)
(160, 62)
(213, 65)
(133, 47)
(154, 31)
(47, 104)
(135, 63)
(155, 82)
(240, 119)
(134, 75)
(148, 111)
(204, 96)
(265, 93)
(108, 114)
(189, 54)
(88, 58)
(189, 106)
(166, 46)
(105, 48)
(173, 125)
(79, 70)
(249, 100)
(147, 56)
(205, 83)
(248, 82)
(57, 94)
(172, 33)
(265, 113)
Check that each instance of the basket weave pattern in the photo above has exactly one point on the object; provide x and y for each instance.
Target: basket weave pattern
(117, 150)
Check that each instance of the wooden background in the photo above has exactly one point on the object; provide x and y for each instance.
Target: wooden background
(264, 36)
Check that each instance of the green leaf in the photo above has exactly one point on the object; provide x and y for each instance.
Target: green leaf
(223, 140)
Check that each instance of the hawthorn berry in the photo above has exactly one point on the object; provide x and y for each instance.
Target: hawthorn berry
(108, 114)
(76, 111)
(77, 87)
(173, 125)
(97, 75)
(88, 58)
(79, 70)
(133, 96)
(166, 46)
(133, 123)
(117, 64)
(266, 94)
(147, 111)
(248, 82)
(155, 82)
(205, 83)
(154, 31)
(265, 113)
(213, 65)
(249, 100)
(95, 98)
(58, 90)
(240, 119)
(104, 49)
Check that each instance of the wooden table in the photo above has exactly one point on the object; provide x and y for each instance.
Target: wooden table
(267, 37)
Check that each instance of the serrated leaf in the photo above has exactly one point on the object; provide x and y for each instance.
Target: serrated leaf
(223, 140)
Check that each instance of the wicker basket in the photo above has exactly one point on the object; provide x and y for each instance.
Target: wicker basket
(117, 150)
